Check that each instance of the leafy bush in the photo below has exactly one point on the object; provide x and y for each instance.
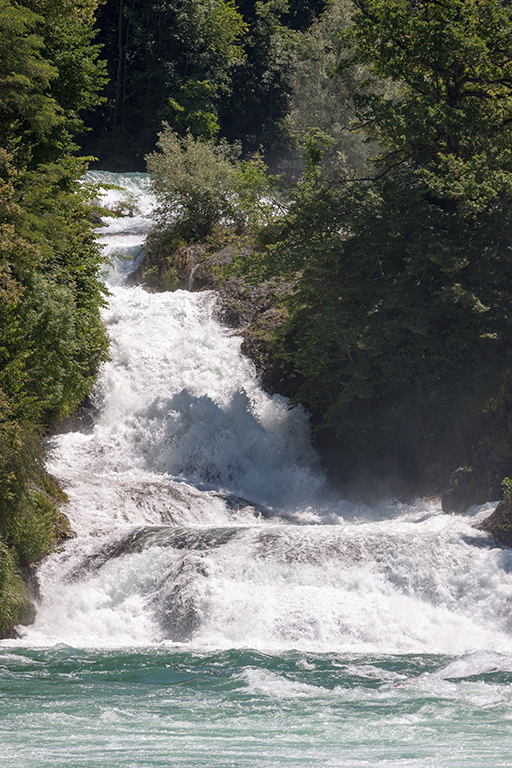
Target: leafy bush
(195, 182)
(199, 185)
(506, 485)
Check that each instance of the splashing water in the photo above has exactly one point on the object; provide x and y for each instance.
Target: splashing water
(219, 606)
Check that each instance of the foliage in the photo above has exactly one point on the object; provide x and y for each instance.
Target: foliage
(51, 336)
(199, 185)
(322, 91)
(450, 116)
(213, 67)
(260, 86)
(14, 603)
(28, 112)
(196, 109)
(169, 62)
(51, 344)
(68, 31)
(399, 328)
(506, 484)
(28, 516)
(49, 71)
(194, 182)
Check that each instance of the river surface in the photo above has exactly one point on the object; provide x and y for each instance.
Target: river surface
(219, 605)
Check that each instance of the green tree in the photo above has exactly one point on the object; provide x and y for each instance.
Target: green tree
(399, 326)
(450, 114)
(259, 100)
(52, 339)
(169, 62)
(194, 182)
(49, 73)
(28, 112)
(321, 91)
(214, 67)
(200, 185)
(51, 336)
(67, 28)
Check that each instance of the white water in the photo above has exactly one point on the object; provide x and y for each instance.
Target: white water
(231, 539)
(219, 607)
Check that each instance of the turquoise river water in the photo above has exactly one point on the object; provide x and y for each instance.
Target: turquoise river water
(219, 606)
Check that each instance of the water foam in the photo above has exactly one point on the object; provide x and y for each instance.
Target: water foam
(185, 443)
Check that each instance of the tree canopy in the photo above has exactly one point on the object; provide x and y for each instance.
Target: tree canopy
(399, 325)
(451, 111)
(49, 74)
(52, 339)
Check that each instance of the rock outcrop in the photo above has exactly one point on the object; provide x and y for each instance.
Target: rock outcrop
(499, 523)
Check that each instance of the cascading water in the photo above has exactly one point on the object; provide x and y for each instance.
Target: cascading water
(219, 607)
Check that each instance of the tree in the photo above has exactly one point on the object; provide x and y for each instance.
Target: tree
(194, 182)
(201, 185)
(49, 73)
(321, 91)
(399, 327)
(28, 112)
(52, 339)
(68, 31)
(169, 62)
(450, 115)
(260, 91)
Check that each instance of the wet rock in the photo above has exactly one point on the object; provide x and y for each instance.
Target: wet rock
(29, 575)
(96, 219)
(499, 523)
(81, 420)
(466, 489)
(177, 604)
(476, 483)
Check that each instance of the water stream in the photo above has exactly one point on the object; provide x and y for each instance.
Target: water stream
(219, 605)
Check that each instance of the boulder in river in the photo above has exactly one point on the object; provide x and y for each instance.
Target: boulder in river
(499, 524)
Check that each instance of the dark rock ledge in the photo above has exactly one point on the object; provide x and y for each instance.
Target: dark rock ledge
(499, 523)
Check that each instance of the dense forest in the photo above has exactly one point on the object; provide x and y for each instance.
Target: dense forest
(386, 213)
(51, 336)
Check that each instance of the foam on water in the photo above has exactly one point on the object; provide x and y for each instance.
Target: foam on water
(206, 531)
(178, 401)
(184, 444)
(123, 236)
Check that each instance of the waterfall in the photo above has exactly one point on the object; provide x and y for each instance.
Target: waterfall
(220, 605)
(202, 515)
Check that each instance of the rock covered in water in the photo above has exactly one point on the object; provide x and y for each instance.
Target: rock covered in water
(253, 311)
(499, 523)
(466, 488)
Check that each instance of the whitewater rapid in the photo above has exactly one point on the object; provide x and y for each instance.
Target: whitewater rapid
(204, 521)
